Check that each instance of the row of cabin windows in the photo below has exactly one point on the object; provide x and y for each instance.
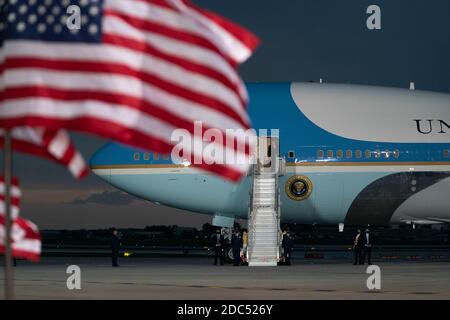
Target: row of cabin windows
(147, 155)
(359, 154)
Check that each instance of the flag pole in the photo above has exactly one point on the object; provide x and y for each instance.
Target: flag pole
(7, 174)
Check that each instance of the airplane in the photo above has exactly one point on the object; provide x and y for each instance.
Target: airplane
(351, 154)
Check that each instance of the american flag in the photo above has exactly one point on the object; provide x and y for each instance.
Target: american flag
(16, 195)
(25, 236)
(135, 71)
(52, 144)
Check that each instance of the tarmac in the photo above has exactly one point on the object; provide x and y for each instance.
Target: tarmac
(196, 278)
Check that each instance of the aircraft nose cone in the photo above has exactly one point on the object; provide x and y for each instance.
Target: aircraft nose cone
(100, 158)
(104, 159)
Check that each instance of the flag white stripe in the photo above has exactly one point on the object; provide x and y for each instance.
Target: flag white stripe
(228, 42)
(15, 210)
(29, 245)
(15, 190)
(118, 84)
(126, 117)
(190, 22)
(76, 164)
(237, 160)
(32, 135)
(59, 144)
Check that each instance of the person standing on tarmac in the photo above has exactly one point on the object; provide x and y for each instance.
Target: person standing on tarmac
(115, 247)
(244, 244)
(358, 247)
(367, 243)
(236, 244)
(219, 243)
(287, 244)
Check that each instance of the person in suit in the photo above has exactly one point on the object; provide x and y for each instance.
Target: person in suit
(115, 247)
(358, 247)
(219, 243)
(287, 243)
(244, 244)
(367, 246)
(283, 246)
(236, 244)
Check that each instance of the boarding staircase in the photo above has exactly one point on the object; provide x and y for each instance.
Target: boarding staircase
(264, 217)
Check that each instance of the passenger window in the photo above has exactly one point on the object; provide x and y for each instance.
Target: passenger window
(330, 154)
(155, 156)
(446, 153)
(377, 154)
(146, 156)
(396, 154)
(137, 156)
(368, 154)
(291, 154)
(349, 154)
(358, 154)
(320, 154)
(340, 154)
(166, 156)
(387, 154)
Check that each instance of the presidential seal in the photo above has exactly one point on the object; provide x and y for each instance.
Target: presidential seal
(298, 188)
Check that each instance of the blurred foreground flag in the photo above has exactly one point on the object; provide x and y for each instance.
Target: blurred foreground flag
(16, 195)
(130, 70)
(53, 144)
(26, 240)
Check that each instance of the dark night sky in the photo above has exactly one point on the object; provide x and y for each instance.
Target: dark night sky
(302, 40)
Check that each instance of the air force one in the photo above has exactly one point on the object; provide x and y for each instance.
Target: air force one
(348, 155)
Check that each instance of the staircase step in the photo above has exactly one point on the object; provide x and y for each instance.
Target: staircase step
(264, 254)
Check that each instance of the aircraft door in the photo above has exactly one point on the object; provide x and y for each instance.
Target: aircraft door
(268, 152)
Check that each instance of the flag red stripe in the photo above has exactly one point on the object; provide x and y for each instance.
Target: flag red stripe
(72, 95)
(27, 147)
(48, 136)
(119, 133)
(110, 68)
(15, 201)
(14, 181)
(68, 155)
(23, 254)
(30, 232)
